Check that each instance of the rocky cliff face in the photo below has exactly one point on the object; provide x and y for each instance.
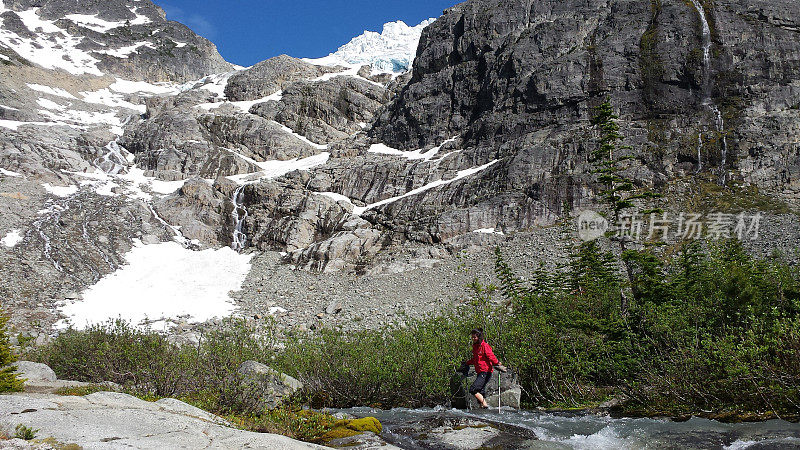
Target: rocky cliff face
(517, 80)
(341, 168)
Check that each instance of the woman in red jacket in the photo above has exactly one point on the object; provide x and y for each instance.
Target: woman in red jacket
(483, 358)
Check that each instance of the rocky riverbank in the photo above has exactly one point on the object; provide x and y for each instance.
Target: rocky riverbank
(109, 420)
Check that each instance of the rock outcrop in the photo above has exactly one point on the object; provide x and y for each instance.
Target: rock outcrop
(201, 211)
(518, 80)
(130, 39)
(271, 76)
(108, 420)
(327, 111)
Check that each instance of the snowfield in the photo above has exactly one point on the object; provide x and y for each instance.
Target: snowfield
(163, 281)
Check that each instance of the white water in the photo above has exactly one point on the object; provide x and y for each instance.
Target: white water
(719, 122)
(239, 238)
(721, 128)
(586, 430)
(50, 215)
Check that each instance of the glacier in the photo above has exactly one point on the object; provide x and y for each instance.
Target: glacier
(391, 51)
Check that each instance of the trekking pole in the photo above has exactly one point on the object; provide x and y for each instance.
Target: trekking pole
(499, 392)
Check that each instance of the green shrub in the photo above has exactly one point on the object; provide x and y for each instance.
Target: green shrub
(147, 363)
(25, 433)
(80, 391)
(121, 353)
(391, 366)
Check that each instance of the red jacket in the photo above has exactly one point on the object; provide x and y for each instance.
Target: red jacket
(483, 357)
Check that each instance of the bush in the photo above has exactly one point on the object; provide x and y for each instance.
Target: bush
(146, 362)
(120, 353)
(25, 433)
(392, 366)
(709, 329)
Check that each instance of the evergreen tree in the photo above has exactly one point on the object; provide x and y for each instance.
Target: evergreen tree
(8, 374)
(618, 190)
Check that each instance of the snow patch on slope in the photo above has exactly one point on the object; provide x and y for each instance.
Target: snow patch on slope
(422, 154)
(9, 173)
(13, 238)
(275, 169)
(163, 281)
(460, 175)
(51, 47)
(58, 92)
(101, 25)
(392, 50)
(124, 52)
(60, 191)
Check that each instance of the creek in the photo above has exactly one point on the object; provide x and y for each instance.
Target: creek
(444, 428)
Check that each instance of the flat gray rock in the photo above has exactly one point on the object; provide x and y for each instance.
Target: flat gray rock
(106, 420)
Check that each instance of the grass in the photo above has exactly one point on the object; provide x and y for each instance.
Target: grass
(292, 421)
(80, 391)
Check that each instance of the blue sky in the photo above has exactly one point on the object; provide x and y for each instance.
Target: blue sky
(249, 31)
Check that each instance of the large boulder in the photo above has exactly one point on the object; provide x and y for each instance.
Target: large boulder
(267, 387)
(35, 372)
(509, 392)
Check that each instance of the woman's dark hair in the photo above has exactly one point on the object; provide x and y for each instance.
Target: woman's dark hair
(477, 332)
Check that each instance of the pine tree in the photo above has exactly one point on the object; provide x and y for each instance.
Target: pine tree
(9, 382)
(619, 192)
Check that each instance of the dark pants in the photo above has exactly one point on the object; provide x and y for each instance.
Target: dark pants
(479, 385)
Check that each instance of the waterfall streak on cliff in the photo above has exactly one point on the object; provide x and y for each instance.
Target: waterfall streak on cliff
(719, 122)
(239, 215)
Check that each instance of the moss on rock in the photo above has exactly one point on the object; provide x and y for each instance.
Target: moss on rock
(366, 424)
(347, 428)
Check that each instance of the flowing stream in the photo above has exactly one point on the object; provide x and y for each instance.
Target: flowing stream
(719, 122)
(423, 428)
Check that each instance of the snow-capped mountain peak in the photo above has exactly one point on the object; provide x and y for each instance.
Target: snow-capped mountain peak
(391, 51)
